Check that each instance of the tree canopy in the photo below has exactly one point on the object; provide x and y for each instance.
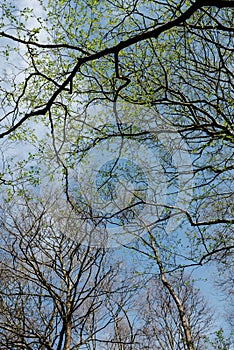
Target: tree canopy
(116, 143)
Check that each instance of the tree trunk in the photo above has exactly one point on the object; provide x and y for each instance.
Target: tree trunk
(180, 308)
(67, 343)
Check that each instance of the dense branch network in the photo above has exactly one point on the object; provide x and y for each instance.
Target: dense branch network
(155, 33)
(161, 74)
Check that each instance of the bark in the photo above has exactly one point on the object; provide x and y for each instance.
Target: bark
(179, 305)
